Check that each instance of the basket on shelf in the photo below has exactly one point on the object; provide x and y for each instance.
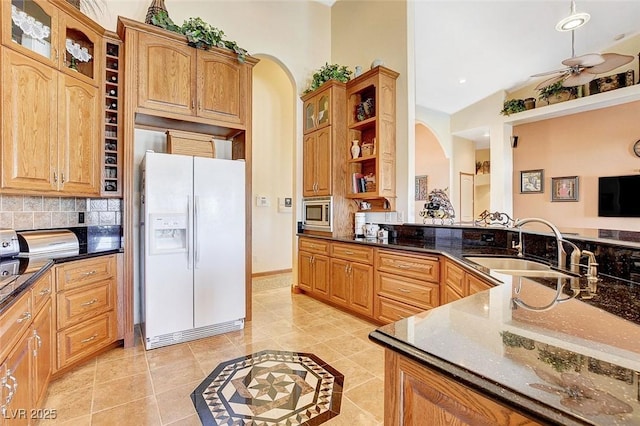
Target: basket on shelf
(155, 7)
(74, 3)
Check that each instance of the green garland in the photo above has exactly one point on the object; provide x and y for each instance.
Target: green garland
(200, 34)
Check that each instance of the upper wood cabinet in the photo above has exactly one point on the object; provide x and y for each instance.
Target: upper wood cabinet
(50, 86)
(55, 34)
(317, 111)
(49, 141)
(205, 86)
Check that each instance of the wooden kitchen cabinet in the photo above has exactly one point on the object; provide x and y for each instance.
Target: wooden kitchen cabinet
(313, 267)
(405, 284)
(458, 283)
(50, 127)
(351, 282)
(371, 120)
(323, 144)
(414, 393)
(26, 353)
(212, 85)
(86, 308)
(112, 152)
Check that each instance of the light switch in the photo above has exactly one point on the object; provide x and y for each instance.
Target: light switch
(262, 201)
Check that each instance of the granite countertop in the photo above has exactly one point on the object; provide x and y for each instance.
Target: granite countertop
(572, 357)
(97, 241)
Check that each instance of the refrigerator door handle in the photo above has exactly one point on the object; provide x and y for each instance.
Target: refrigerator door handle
(196, 239)
(188, 236)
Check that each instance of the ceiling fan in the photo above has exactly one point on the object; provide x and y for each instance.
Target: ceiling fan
(581, 69)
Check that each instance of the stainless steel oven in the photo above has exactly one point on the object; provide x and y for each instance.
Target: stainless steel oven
(317, 212)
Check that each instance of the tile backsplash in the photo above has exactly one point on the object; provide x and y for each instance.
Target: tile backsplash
(24, 212)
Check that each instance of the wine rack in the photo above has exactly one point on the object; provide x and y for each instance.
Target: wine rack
(112, 169)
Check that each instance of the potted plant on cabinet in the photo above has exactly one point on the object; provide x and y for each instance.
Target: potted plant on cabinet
(556, 92)
(329, 72)
(512, 106)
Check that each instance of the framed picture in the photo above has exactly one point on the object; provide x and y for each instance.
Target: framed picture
(421, 188)
(564, 188)
(531, 181)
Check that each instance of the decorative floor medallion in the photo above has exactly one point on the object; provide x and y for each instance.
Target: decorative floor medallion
(270, 388)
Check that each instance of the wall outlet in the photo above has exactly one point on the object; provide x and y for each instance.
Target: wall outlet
(262, 201)
(80, 217)
(400, 216)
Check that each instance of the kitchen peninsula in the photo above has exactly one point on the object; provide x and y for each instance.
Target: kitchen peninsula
(567, 353)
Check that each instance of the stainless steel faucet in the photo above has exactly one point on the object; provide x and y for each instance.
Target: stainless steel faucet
(520, 246)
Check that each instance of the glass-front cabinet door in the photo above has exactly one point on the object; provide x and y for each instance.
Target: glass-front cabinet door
(30, 26)
(317, 111)
(83, 50)
(309, 115)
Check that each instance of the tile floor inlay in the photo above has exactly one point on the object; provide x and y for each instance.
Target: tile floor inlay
(270, 388)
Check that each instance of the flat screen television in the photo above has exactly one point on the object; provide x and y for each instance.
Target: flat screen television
(619, 196)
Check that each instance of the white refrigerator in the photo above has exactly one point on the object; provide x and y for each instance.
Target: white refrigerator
(192, 227)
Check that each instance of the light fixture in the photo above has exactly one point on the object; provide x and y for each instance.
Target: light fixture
(573, 21)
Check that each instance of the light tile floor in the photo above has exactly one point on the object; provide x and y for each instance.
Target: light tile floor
(137, 387)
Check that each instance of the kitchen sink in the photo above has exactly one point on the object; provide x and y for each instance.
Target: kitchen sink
(517, 266)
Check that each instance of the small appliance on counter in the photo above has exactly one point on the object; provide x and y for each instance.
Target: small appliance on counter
(39, 247)
(9, 266)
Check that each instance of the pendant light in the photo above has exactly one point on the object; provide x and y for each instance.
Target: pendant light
(574, 20)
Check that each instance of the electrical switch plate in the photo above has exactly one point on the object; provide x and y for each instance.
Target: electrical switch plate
(262, 201)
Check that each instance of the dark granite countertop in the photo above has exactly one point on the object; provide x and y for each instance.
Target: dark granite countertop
(576, 361)
(94, 241)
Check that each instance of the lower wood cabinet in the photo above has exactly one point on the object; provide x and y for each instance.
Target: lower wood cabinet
(313, 267)
(415, 393)
(405, 284)
(458, 283)
(25, 368)
(86, 313)
(351, 277)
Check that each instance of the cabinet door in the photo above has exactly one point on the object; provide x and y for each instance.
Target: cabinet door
(309, 111)
(166, 73)
(29, 116)
(42, 350)
(78, 137)
(222, 87)
(339, 288)
(323, 162)
(81, 51)
(18, 376)
(305, 271)
(476, 285)
(321, 275)
(361, 288)
(309, 165)
(37, 41)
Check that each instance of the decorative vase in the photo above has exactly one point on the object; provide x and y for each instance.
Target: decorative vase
(355, 149)
(155, 7)
(530, 103)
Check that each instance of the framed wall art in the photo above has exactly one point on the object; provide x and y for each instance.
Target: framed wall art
(421, 188)
(564, 188)
(531, 181)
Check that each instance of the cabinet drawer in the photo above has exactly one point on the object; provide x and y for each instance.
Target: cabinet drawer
(388, 310)
(352, 252)
(83, 339)
(408, 265)
(82, 272)
(77, 305)
(14, 321)
(41, 291)
(418, 293)
(313, 245)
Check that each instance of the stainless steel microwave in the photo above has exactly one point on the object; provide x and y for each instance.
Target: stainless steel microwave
(316, 213)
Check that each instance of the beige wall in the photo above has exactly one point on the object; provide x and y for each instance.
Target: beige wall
(587, 145)
(482, 193)
(362, 31)
(273, 148)
(431, 161)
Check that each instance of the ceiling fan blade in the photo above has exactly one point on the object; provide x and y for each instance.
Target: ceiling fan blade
(578, 79)
(588, 60)
(550, 81)
(611, 62)
(563, 71)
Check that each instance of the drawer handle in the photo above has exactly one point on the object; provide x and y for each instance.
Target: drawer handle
(89, 273)
(89, 339)
(403, 266)
(25, 317)
(348, 252)
(89, 303)
(404, 290)
(44, 291)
